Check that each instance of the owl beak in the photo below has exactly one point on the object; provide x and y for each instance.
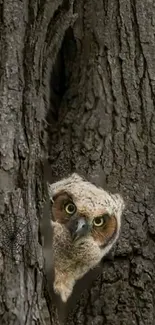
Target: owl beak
(79, 227)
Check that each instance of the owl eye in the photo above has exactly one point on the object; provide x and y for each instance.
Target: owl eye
(100, 221)
(70, 208)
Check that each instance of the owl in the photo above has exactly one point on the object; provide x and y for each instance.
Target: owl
(86, 222)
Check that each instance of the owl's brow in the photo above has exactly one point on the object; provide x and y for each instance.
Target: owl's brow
(84, 211)
(62, 193)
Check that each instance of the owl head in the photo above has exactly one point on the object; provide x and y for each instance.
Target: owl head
(86, 223)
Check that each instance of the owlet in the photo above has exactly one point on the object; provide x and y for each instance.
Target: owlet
(86, 223)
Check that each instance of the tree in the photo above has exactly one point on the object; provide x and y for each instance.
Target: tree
(89, 66)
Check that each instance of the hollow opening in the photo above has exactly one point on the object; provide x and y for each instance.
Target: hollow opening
(60, 78)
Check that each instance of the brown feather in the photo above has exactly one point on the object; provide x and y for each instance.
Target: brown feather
(105, 233)
(58, 211)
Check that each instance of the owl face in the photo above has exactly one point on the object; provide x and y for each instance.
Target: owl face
(100, 226)
(86, 222)
(86, 210)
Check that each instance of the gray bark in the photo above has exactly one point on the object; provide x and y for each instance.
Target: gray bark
(107, 119)
(99, 101)
(31, 35)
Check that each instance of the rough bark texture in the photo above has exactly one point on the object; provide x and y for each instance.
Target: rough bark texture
(100, 104)
(31, 33)
(107, 118)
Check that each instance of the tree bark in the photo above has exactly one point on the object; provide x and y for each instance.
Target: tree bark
(106, 119)
(31, 35)
(89, 66)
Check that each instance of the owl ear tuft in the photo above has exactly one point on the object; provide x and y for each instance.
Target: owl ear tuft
(76, 177)
(120, 204)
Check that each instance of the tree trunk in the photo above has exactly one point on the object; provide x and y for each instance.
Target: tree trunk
(31, 36)
(93, 76)
(106, 118)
